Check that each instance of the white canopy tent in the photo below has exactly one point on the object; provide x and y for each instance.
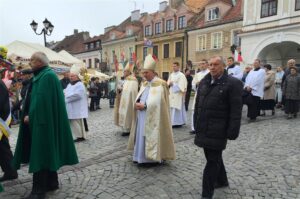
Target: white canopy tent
(22, 51)
(70, 58)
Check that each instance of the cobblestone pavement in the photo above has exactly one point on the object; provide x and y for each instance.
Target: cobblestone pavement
(264, 162)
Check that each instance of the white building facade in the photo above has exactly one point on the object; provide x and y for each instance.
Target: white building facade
(271, 31)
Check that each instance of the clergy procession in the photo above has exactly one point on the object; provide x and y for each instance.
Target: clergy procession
(54, 114)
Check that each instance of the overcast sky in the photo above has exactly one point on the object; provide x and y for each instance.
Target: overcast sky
(65, 15)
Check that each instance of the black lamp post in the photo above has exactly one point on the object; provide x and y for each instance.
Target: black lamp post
(47, 30)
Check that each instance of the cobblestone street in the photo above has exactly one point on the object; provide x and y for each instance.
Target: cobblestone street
(264, 162)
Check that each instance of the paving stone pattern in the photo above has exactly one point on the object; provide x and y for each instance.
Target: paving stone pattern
(264, 162)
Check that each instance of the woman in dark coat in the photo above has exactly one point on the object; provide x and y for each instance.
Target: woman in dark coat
(291, 91)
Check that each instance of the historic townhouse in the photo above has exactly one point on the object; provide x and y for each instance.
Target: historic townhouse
(91, 55)
(271, 31)
(215, 30)
(119, 41)
(164, 35)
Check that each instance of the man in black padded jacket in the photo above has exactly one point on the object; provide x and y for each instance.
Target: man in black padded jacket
(217, 118)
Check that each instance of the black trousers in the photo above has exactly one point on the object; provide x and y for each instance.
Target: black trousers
(6, 157)
(187, 100)
(86, 127)
(253, 109)
(98, 101)
(214, 172)
(44, 181)
(93, 103)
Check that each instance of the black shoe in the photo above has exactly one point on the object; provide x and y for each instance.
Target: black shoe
(273, 112)
(206, 197)
(52, 188)
(125, 134)
(192, 132)
(79, 140)
(176, 126)
(36, 196)
(217, 185)
(252, 120)
(295, 115)
(7, 177)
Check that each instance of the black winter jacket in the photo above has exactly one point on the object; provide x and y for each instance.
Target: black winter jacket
(218, 111)
(4, 101)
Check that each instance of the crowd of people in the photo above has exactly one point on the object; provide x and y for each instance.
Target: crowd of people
(146, 111)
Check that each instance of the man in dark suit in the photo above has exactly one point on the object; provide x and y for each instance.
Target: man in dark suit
(189, 79)
(217, 118)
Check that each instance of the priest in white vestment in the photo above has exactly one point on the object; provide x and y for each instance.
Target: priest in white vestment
(203, 70)
(255, 83)
(178, 85)
(151, 136)
(76, 104)
(127, 101)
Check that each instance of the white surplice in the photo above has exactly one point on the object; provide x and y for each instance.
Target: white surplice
(177, 98)
(256, 81)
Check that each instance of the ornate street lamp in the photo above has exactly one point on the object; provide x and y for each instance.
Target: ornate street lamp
(47, 30)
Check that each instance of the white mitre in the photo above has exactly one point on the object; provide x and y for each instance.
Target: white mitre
(128, 67)
(149, 63)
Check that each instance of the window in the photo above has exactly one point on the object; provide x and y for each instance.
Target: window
(268, 8)
(97, 44)
(297, 6)
(216, 40)
(201, 42)
(130, 54)
(213, 14)
(92, 45)
(178, 49)
(166, 50)
(158, 28)
(113, 56)
(147, 31)
(90, 63)
(112, 36)
(96, 62)
(145, 52)
(129, 32)
(86, 46)
(169, 25)
(181, 22)
(165, 76)
(236, 40)
(155, 51)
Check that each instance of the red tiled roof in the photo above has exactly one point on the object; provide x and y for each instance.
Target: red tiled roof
(73, 43)
(196, 4)
(121, 30)
(233, 14)
(93, 39)
(224, 1)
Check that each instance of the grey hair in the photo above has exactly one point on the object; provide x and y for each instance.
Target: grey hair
(291, 60)
(41, 57)
(220, 58)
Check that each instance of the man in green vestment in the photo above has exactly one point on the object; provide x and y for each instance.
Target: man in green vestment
(45, 139)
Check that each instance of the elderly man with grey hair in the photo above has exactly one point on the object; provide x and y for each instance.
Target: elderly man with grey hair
(45, 140)
(217, 117)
